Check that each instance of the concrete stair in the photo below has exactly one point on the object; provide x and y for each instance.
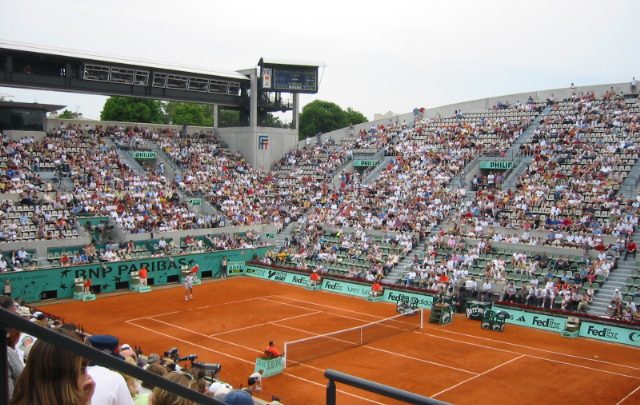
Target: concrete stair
(523, 163)
(629, 188)
(373, 175)
(617, 279)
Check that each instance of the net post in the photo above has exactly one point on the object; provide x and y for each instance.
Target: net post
(284, 356)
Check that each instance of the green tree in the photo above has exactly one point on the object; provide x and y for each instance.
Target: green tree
(325, 116)
(190, 114)
(355, 117)
(229, 118)
(67, 115)
(131, 109)
(321, 116)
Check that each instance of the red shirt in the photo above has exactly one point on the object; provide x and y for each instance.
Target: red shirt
(143, 272)
(87, 283)
(315, 276)
(376, 287)
(271, 351)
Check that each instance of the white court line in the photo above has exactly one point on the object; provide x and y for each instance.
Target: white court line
(206, 336)
(264, 323)
(535, 348)
(489, 339)
(528, 355)
(388, 352)
(477, 375)
(206, 306)
(247, 361)
(151, 316)
(328, 313)
(191, 343)
(324, 386)
(326, 306)
(513, 344)
(628, 395)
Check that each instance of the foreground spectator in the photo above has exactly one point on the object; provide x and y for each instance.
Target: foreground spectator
(163, 397)
(54, 376)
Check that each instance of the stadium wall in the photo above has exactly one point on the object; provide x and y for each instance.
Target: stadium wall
(51, 123)
(267, 233)
(58, 283)
(260, 146)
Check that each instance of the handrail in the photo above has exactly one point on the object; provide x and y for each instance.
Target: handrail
(12, 320)
(387, 391)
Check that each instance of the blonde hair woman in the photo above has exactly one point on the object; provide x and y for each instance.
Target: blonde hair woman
(162, 397)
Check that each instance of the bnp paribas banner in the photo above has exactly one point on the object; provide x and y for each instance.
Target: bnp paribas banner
(58, 282)
(277, 275)
(610, 333)
(419, 300)
(533, 319)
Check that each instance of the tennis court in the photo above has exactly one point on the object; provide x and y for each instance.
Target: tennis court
(231, 322)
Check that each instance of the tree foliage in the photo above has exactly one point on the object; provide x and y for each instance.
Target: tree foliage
(131, 109)
(325, 116)
(190, 114)
(355, 117)
(67, 115)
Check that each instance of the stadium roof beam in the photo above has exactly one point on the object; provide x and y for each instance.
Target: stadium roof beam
(46, 68)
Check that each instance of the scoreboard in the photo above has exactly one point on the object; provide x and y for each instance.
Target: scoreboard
(289, 78)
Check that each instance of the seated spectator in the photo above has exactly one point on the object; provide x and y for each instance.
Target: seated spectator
(160, 396)
(271, 351)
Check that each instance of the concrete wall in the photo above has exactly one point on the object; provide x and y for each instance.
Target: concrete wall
(51, 123)
(244, 140)
(17, 135)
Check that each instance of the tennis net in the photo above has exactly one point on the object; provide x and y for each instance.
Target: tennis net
(304, 350)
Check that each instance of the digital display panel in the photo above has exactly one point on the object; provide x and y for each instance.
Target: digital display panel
(295, 80)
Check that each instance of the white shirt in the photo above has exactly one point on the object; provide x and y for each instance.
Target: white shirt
(111, 389)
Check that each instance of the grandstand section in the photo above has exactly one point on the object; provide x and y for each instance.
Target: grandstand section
(531, 207)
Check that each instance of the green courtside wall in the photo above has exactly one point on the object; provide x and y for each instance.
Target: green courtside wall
(537, 320)
(30, 285)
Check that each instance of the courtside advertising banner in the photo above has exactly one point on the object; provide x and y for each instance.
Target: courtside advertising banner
(277, 275)
(359, 290)
(610, 333)
(533, 319)
(419, 300)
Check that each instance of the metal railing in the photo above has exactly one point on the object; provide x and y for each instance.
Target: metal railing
(15, 321)
(389, 392)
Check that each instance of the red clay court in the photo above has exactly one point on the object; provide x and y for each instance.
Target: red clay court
(231, 321)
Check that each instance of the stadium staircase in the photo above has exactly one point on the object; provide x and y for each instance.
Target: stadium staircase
(336, 179)
(285, 234)
(371, 177)
(617, 279)
(171, 169)
(629, 188)
(396, 275)
(127, 159)
(524, 161)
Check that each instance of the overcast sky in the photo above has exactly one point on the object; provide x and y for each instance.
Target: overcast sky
(380, 55)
